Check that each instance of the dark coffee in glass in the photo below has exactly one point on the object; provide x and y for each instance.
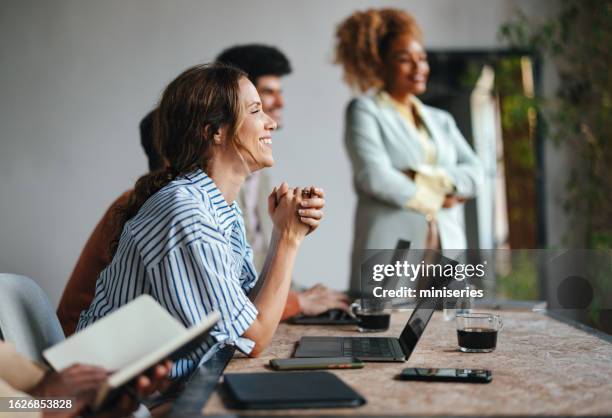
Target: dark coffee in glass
(371, 322)
(477, 338)
(371, 315)
(477, 332)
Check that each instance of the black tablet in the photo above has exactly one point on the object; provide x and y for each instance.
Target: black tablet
(289, 390)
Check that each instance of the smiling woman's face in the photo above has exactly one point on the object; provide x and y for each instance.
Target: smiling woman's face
(254, 135)
(405, 67)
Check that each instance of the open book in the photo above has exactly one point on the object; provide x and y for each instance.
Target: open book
(129, 341)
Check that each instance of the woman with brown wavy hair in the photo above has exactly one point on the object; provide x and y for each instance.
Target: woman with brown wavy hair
(412, 168)
(182, 236)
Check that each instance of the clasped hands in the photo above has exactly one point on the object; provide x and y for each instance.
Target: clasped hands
(307, 205)
(296, 210)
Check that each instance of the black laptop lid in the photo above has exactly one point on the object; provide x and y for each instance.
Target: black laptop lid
(424, 309)
(399, 254)
(287, 390)
(416, 326)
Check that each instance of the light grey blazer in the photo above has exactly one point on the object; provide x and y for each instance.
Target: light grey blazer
(381, 145)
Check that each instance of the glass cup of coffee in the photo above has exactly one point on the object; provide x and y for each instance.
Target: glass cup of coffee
(371, 315)
(477, 332)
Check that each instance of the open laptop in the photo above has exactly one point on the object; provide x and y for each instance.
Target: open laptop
(372, 348)
(384, 349)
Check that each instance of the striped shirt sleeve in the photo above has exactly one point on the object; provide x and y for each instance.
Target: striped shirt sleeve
(193, 281)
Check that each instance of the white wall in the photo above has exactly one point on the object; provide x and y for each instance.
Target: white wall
(77, 76)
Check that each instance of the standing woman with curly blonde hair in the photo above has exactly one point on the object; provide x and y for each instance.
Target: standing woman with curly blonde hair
(412, 168)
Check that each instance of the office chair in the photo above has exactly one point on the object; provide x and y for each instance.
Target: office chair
(27, 319)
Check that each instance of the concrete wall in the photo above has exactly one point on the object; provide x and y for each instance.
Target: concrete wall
(77, 77)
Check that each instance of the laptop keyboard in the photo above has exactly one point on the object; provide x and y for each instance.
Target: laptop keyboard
(367, 347)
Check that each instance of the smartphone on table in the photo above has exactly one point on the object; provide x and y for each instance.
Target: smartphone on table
(447, 375)
(316, 363)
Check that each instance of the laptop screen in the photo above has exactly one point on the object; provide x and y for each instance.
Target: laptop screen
(423, 311)
(415, 326)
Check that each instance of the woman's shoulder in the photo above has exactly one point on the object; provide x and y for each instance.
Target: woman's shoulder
(174, 216)
(364, 101)
(180, 191)
(365, 106)
(177, 202)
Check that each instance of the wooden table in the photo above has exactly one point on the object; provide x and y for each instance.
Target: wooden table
(542, 366)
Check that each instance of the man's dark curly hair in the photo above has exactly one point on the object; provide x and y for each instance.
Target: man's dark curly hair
(256, 60)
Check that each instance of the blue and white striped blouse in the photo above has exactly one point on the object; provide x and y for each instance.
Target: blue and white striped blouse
(187, 248)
